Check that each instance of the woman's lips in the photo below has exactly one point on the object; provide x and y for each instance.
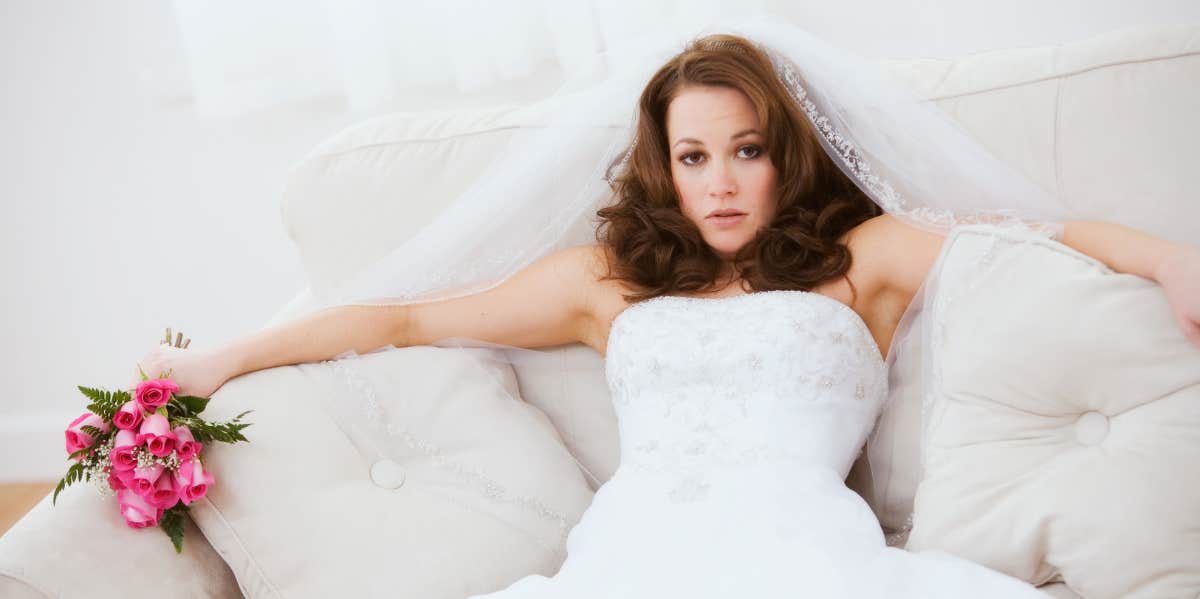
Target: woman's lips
(723, 222)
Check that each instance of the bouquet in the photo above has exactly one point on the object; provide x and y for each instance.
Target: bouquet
(144, 446)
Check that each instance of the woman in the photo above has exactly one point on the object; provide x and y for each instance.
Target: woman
(746, 291)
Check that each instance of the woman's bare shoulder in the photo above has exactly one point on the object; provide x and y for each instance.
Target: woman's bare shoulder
(604, 293)
(894, 253)
(892, 246)
(886, 226)
(595, 259)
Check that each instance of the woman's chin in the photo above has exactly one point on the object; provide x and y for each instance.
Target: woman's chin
(725, 246)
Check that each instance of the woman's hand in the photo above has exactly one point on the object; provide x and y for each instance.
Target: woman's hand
(1179, 275)
(1173, 265)
(197, 372)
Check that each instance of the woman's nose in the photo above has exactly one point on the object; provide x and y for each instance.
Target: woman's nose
(720, 180)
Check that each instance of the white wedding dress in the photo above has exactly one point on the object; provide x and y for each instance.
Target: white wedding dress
(739, 419)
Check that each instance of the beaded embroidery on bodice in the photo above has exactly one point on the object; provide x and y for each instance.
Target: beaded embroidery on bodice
(701, 385)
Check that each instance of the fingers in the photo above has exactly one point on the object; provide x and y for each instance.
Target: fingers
(179, 341)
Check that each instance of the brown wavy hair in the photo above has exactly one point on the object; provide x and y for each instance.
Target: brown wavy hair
(660, 251)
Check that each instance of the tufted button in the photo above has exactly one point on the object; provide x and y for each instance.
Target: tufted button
(1091, 428)
(387, 474)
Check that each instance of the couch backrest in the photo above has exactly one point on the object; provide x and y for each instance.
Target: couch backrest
(1108, 124)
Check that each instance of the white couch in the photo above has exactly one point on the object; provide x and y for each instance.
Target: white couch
(1108, 124)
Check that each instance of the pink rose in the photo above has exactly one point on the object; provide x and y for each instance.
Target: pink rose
(156, 434)
(144, 479)
(124, 451)
(186, 446)
(114, 481)
(128, 416)
(154, 393)
(76, 438)
(164, 495)
(192, 481)
(137, 511)
(126, 478)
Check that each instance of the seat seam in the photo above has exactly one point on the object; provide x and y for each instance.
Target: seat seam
(1063, 75)
(25, 580)
(473, 133)
(1056, 132)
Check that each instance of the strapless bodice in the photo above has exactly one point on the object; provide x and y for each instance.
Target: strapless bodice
(703, 384)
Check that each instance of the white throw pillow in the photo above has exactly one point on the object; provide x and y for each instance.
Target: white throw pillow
(414, 472)
(1064, 428)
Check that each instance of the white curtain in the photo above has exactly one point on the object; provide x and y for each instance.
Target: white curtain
(249, 55)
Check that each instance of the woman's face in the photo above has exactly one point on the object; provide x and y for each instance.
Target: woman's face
(720, 166)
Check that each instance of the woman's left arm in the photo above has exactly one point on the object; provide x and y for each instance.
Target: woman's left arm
(1174, 266)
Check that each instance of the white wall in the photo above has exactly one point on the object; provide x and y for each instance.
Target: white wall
(125, 212)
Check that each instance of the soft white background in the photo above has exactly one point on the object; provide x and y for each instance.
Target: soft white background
(145, 145)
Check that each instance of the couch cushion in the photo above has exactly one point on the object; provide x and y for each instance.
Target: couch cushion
(1065, 410)
(81, 547)
(568, 385)
(413, 472)
(1059, 590)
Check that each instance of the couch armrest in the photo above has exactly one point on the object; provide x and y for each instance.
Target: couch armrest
(81, 547)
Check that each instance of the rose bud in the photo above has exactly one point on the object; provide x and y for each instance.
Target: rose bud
(124, 451)
(78, 439)
(114, 481)
(155, 393)
(164, 496)
(126, 478)
(137, 511)
(144, 478)
(128, 416)
(156, 434)
(186, 446)
(192, 481)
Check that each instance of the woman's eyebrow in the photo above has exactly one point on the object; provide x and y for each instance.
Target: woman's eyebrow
(734, 136)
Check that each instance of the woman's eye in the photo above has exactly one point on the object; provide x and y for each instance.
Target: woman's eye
(744, 152)
(754, 151)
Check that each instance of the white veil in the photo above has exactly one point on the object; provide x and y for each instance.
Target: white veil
(901, 150)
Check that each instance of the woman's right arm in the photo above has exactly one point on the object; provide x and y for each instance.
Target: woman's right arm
(548, 303)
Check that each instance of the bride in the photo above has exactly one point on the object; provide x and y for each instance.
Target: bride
(770, 223)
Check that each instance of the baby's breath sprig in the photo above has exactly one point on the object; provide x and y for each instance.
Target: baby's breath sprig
(93, 460)
(100, 467)
(145, 459)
